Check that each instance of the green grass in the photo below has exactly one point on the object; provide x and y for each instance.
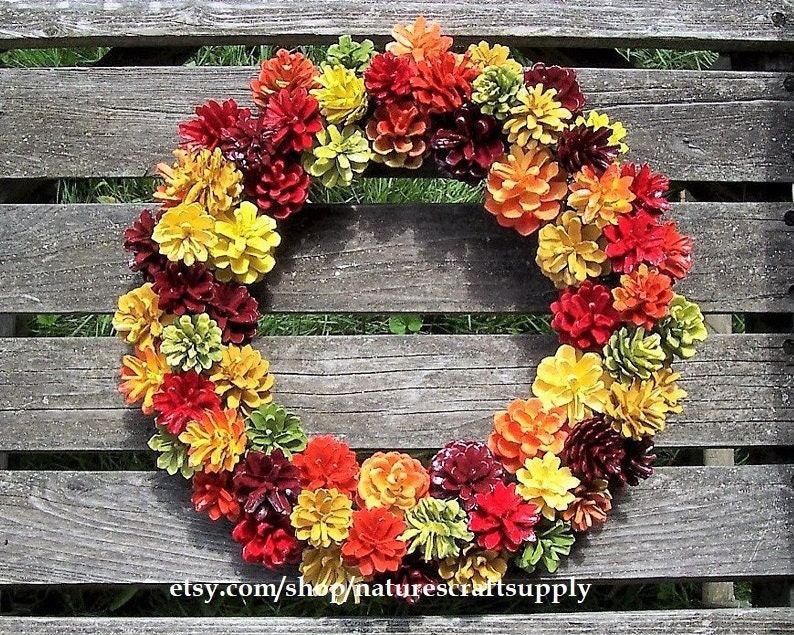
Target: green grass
(670, 59)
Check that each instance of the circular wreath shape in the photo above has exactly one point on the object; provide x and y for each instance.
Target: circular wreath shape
(549, 466)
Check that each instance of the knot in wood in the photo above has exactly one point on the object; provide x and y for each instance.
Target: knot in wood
(779, 18)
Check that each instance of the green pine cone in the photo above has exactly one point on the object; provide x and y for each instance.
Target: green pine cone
(350, 54)
(337, 155)
(552, 543)
(496, 90)
(434, 527)
(683, 328)
(270, 426)
(631, 353)
(192, 342)
(173, 453)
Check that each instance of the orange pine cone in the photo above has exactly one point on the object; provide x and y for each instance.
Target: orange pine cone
(590, 507)
(643, 297)
(524, 189)
(285, 71)
(399, 134)
(419, 40)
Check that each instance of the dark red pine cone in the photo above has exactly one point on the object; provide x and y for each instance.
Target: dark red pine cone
(581, 145)
(648, 188)
(584, 316)
(210, 125)
(563, 80)
(266, 485)
(146, 256)
(388, 77)
(294, 118)
(235, 311)
(466, 150)
(595, 450)
(278, 186)
(463, 469)
(182, 289)
(248, 143)
(272, 544)
(638, 461)
(414, 574)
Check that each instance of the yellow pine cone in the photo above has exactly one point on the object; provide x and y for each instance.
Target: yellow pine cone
(573, 380)
(204, 177)
(245, 245)
(325, 568)
(640, 408)
(142, 375)
(342, 95)
(546, 484)
(538, 117)
(601, 199)
(322, 517)
(217, 440)
(569, 251)
(185, 233)
(474, 567)
(242, 378)
(486, 54)
(139, 319)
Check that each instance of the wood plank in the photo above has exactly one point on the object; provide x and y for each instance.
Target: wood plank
(692, 622)
(139, 528)
(122, 121)
(719, 24)
(414, 258)
(59, 394)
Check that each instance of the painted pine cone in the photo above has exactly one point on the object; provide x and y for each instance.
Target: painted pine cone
(583, 145)
(594, 450)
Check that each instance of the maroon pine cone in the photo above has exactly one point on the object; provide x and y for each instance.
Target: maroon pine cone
(466, 150)
(235, 311)
(210, 126)
(413, 571)
(182, 289)
(581, 145)
(563, 80)
(278, 186)
(638, 461)
(463, 469)
(247, 143)
(266, 485)
(146, 256)
(595, 450)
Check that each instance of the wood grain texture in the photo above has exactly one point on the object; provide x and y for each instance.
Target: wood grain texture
(415, 258)
(140, 528)
(692, 622)
(709, 126)
(386, 391)
(721, 24)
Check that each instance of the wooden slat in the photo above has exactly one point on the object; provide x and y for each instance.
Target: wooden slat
(416, 258)
(692, 622)
(386, 391)
(139, 528)
(720, 24)
(710, 126)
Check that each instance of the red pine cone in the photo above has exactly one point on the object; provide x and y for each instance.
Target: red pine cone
(563, 80)
(638, 461)
(443, 83)
(584, 316)
(582, 145)
(647, 187)
(388, 77)
(293, 117)
(399, 132)
(502, 519)
(677, 252)
(279, 186)
(146, 256)
(235, 311)
(272, 544)
(182, 289)
(266, 485)
(182, 398)
(466, 150)
(212, 121)
(595, 450)
(212, 494)
(463, 469)
(636, 238)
